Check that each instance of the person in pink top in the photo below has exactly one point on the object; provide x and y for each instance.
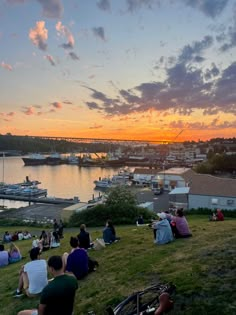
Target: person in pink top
(179, 225)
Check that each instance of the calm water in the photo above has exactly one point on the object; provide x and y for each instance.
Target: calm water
(60, 180)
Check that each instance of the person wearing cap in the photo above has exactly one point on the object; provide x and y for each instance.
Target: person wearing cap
(33, 275)
(164, 233)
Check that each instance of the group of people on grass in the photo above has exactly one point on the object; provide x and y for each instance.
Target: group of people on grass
(170, 227)
(16, 236)
(65, 269)
(11, 256)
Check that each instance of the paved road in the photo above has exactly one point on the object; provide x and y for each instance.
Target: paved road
(160, 202)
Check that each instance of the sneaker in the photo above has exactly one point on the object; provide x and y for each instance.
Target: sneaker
(18, 294)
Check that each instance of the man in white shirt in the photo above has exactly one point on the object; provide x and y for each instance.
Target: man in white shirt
(33, 275)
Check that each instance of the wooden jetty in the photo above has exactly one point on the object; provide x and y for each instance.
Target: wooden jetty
(49, 200)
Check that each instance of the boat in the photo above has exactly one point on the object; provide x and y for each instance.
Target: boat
(34, 159)
(54, 159)
(14, 189)
(103, 182)
(33, 191)
(28, 182)
(73, 159)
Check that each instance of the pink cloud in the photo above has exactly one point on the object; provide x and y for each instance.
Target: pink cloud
(39, 35)
(57, 105)
(50, 59)
(28, 110)
(6, 66)
(63, 30)
(11, 114)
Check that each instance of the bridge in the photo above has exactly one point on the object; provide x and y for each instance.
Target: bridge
(97, 140)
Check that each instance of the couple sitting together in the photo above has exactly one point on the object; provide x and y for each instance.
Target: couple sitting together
(169, 227)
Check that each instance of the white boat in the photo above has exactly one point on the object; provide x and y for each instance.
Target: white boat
(13, 190)
(103, 183)
(33, 191)
(73, 159)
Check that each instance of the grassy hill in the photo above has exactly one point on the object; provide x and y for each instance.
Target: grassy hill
(203, 268)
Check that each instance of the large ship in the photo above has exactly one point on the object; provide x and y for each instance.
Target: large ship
(34, 159)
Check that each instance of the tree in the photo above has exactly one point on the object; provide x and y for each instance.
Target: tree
(122, 196)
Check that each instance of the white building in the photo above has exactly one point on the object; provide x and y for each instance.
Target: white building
(173, 178)
(144, 175)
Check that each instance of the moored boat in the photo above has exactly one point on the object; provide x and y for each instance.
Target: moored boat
(34, 159)
(103, 183)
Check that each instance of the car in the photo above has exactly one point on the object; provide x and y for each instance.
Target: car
(158, 191)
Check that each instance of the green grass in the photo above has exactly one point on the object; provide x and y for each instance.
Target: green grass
(202, 268)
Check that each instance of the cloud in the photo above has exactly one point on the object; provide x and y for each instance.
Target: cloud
(73, 55)
(96, 126)
(15, 1)
(92, 105)
(104, 5)
(185, 89)
(56, 105)
(39, 35)
(11, 114)
(64, 31)
(192, 52)
(50, 59)
(231, 36)
(211, 8)
(99, 32)
(52, 8)
(6, 66)
(134, 5)
(28, 110)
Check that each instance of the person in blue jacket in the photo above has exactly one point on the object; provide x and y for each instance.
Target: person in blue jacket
(109, 233)
(164, 233)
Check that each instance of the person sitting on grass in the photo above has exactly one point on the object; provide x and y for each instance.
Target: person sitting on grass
(33, 275)
(179, 225)
(164, 233)
(84, 238)
(3, 256)
(58, 296)
(77, 261)
(44, 240)
(14, 254)
(55, 240)
(219, 215)
(140, 221)
(7, 237)
(109, 233)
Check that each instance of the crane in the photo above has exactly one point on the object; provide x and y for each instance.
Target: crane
(178, 135)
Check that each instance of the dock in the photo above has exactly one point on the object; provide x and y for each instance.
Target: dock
(48, 200)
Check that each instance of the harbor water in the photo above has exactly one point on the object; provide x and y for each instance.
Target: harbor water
(65, 181)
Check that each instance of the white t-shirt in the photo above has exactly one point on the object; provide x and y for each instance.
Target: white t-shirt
(37, 274)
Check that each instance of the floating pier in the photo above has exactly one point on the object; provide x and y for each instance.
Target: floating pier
(49, 200)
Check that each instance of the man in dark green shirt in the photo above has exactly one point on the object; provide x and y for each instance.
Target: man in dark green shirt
(57, 297)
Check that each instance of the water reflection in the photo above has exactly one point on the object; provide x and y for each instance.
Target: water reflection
(60, 180)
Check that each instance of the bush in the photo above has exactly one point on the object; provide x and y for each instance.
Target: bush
(98, 215)
(207, 211)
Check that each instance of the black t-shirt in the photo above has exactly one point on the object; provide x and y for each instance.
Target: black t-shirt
(59, 294)
(84, 239)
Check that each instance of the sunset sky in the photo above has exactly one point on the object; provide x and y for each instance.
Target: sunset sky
(130, 69)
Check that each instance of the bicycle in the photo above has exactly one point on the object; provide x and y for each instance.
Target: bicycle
(145, 301)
